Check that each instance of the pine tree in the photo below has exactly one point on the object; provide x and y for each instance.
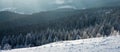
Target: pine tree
(98, 35)
(7, 46)
(55, 39)
(28, 39)
(0, 47)
(78, 37)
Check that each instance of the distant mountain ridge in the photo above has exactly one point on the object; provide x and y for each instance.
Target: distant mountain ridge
(7, 15)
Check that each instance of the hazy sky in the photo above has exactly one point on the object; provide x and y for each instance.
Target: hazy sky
(30, 6)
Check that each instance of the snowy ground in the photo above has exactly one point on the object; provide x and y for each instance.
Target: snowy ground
(106, 44)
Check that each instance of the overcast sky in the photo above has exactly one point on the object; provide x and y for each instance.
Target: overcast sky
(31, 6)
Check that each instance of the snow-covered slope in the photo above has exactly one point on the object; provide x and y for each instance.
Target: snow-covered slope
(103, 44)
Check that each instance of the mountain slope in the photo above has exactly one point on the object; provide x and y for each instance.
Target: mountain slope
(58, 25)
(7, 16)
(103, 44)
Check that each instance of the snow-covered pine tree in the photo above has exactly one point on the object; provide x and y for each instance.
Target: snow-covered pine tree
(7, 46)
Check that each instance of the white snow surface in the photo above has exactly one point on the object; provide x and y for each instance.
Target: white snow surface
(102, 44)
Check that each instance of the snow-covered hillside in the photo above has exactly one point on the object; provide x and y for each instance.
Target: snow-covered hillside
(106, 44)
